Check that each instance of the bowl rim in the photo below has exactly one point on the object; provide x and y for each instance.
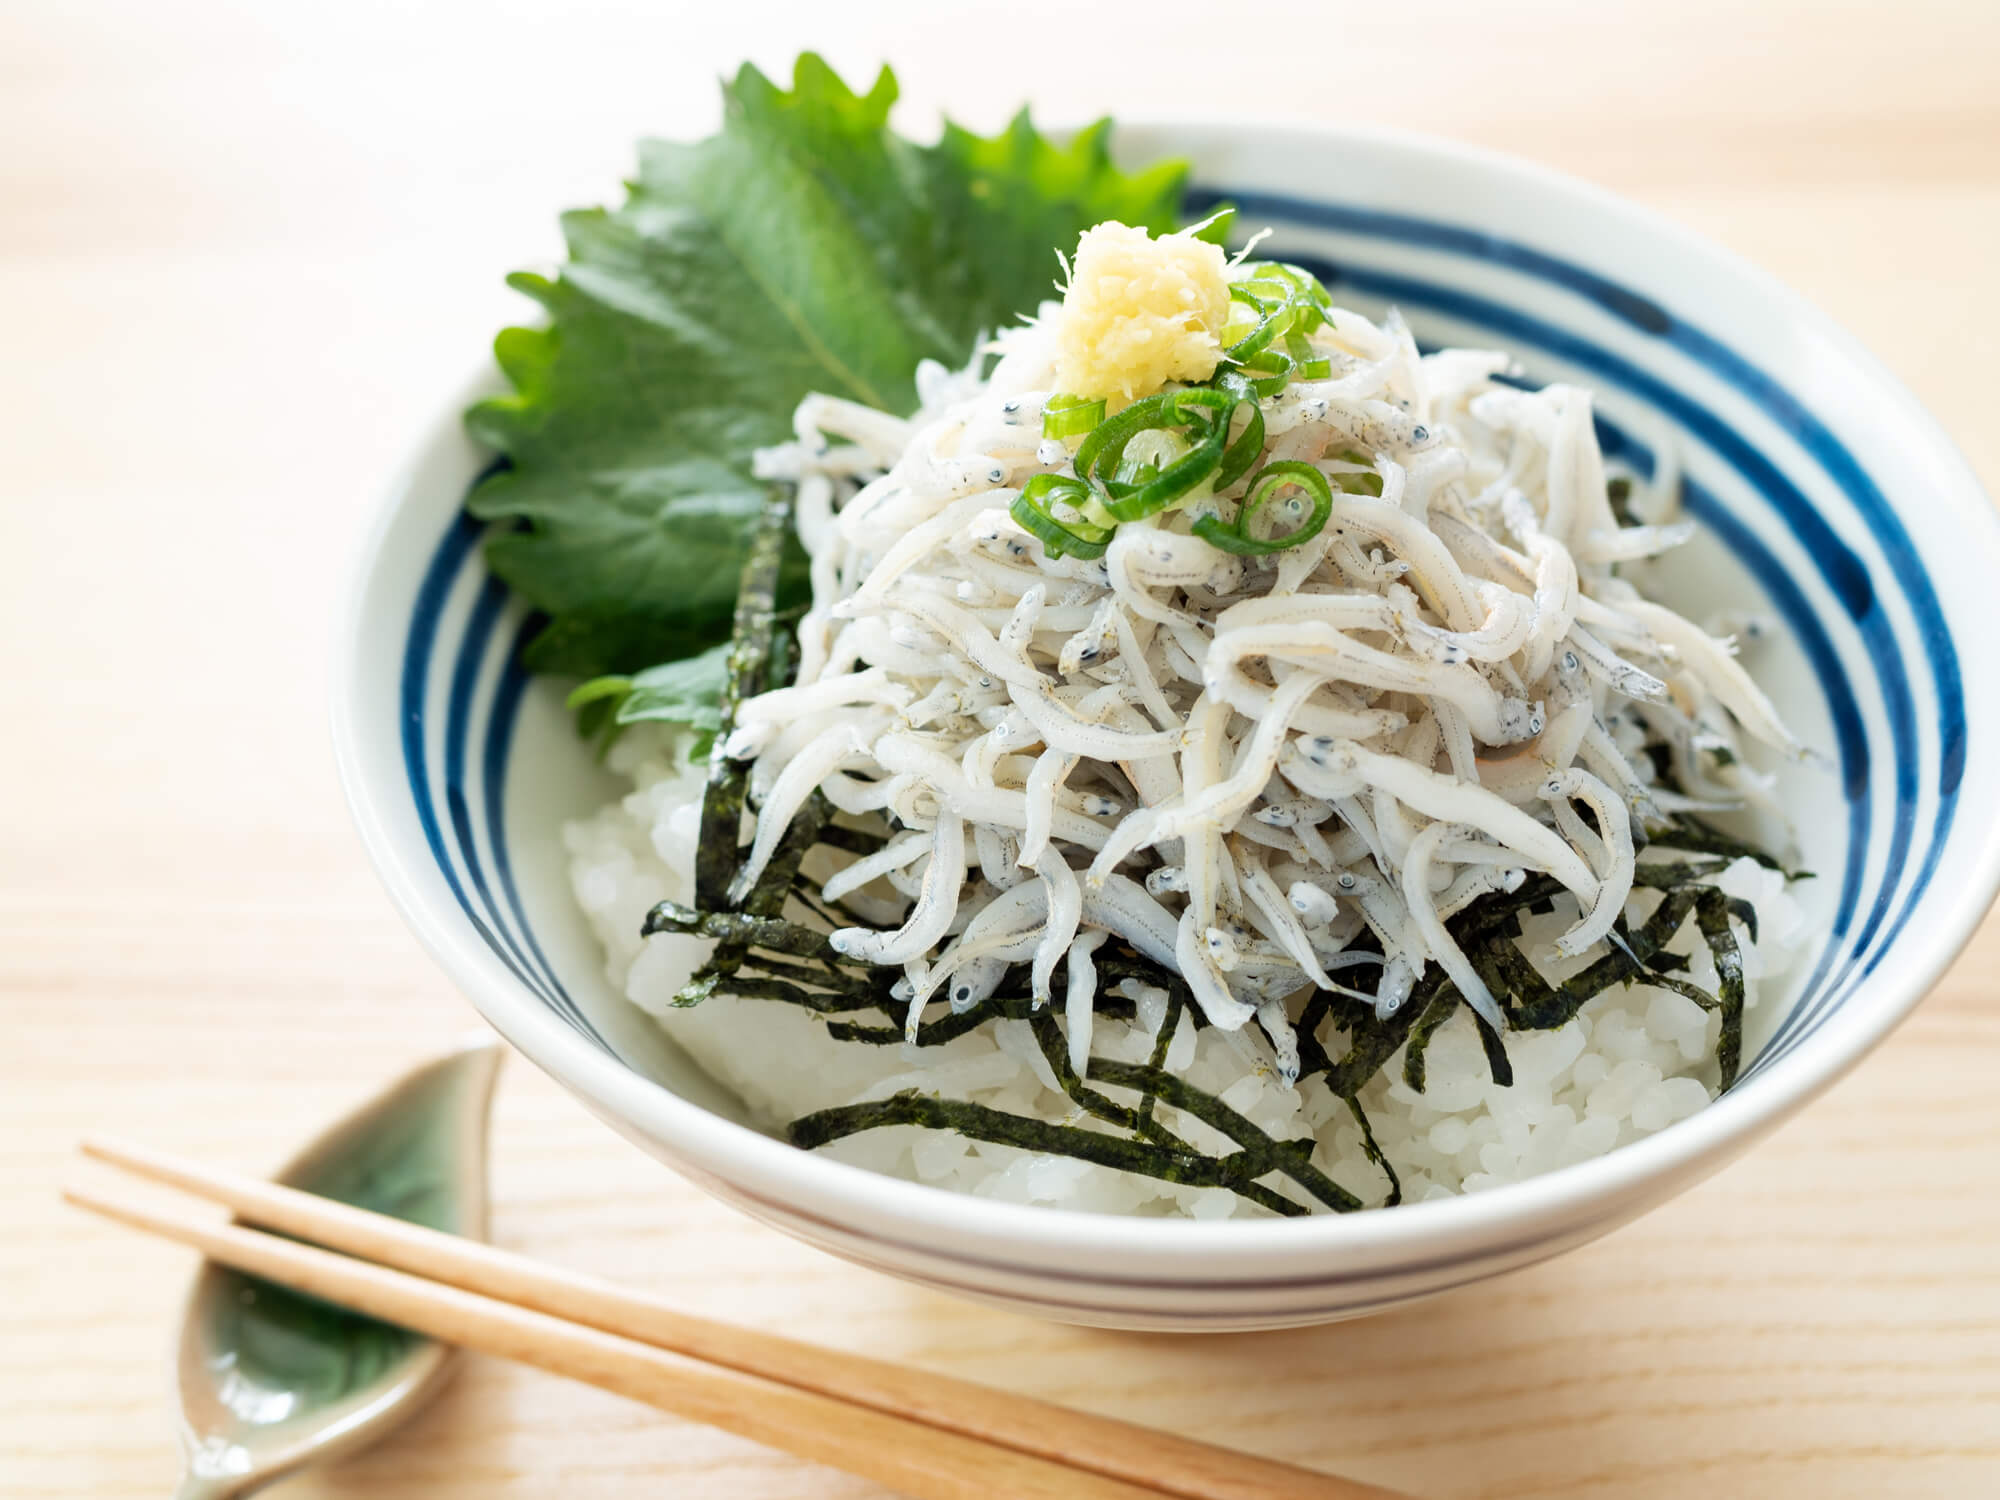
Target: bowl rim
(845, 1197)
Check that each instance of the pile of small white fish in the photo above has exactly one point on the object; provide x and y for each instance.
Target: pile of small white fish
(1242, 767)
(1234, 764)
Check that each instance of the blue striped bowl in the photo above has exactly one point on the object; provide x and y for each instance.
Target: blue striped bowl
(1829, 499)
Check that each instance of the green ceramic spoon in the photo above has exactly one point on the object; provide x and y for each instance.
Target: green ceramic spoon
(270, 1380)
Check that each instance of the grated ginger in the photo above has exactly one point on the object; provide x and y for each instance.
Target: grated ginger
(1140, 312)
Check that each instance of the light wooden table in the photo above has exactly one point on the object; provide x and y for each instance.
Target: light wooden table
(245, 250)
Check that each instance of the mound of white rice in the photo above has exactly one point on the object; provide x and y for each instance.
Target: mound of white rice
(1632, 1062)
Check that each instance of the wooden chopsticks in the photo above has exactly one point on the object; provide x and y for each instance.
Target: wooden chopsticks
(928, 1435)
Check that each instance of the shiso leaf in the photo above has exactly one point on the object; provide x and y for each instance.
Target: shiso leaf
(687, 692)
(804, 247)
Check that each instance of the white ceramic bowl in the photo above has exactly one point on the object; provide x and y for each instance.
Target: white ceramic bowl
(1826, 491)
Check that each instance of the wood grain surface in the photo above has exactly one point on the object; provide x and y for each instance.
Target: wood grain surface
(245, 252)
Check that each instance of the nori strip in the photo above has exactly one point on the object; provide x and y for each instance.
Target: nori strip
(852, 840)
(1012, 1003)
(718, 852)
(756, 987)
(1435, 1015)
(1683, 831)
(1374, 1153)
(717, 857)
(1618, 492)
(1288, 1157)
(1055, 1051)
(1186, 1168)
(833, 913)
(1313, 1056)
(1016, 1006)
(1176, 1008)
(744, 930)
(1665, 874)
(768, 899)
(1497, 1062)
(1712, 918)
(1687, 988)
(1373, 1039)
(1532, 1004)
(863, 986)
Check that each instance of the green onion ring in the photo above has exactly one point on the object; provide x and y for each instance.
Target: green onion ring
(1270, 479)
(1066, 416)
(1105, 446)
(1034, 509)
(1269, 371)
(1133, 502)
(1271, 321)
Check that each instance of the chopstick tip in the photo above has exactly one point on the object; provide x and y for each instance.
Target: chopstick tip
(81, 1197)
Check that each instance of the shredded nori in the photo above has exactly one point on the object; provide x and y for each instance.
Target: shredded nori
(775, 945)
(1619, 492)
(1374, 1153)
(1186, 1167)
(1443, 1006)
(1683, 831)
(750, 671)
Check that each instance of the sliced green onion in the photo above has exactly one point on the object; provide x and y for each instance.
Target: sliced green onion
(1249, 445)
(1148, 453)
(1132, 494)
(1309, 292)
(1134, 502)
(1221, 401)
(1035, 506)
(1307, 362)
(1265, 292)
(1274, 307)
(1102, 450)
(1269, 371)
(1269, 481)
(1128, 500)
(1289, 303)
(1065, 416)
(1271, 320)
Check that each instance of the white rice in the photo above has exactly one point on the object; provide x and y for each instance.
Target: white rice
(1632, 1062)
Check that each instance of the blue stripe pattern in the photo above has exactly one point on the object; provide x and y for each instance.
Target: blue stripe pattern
(1865, 922)
(455, 550)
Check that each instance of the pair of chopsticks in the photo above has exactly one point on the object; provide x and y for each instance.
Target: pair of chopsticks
(927, 1435)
